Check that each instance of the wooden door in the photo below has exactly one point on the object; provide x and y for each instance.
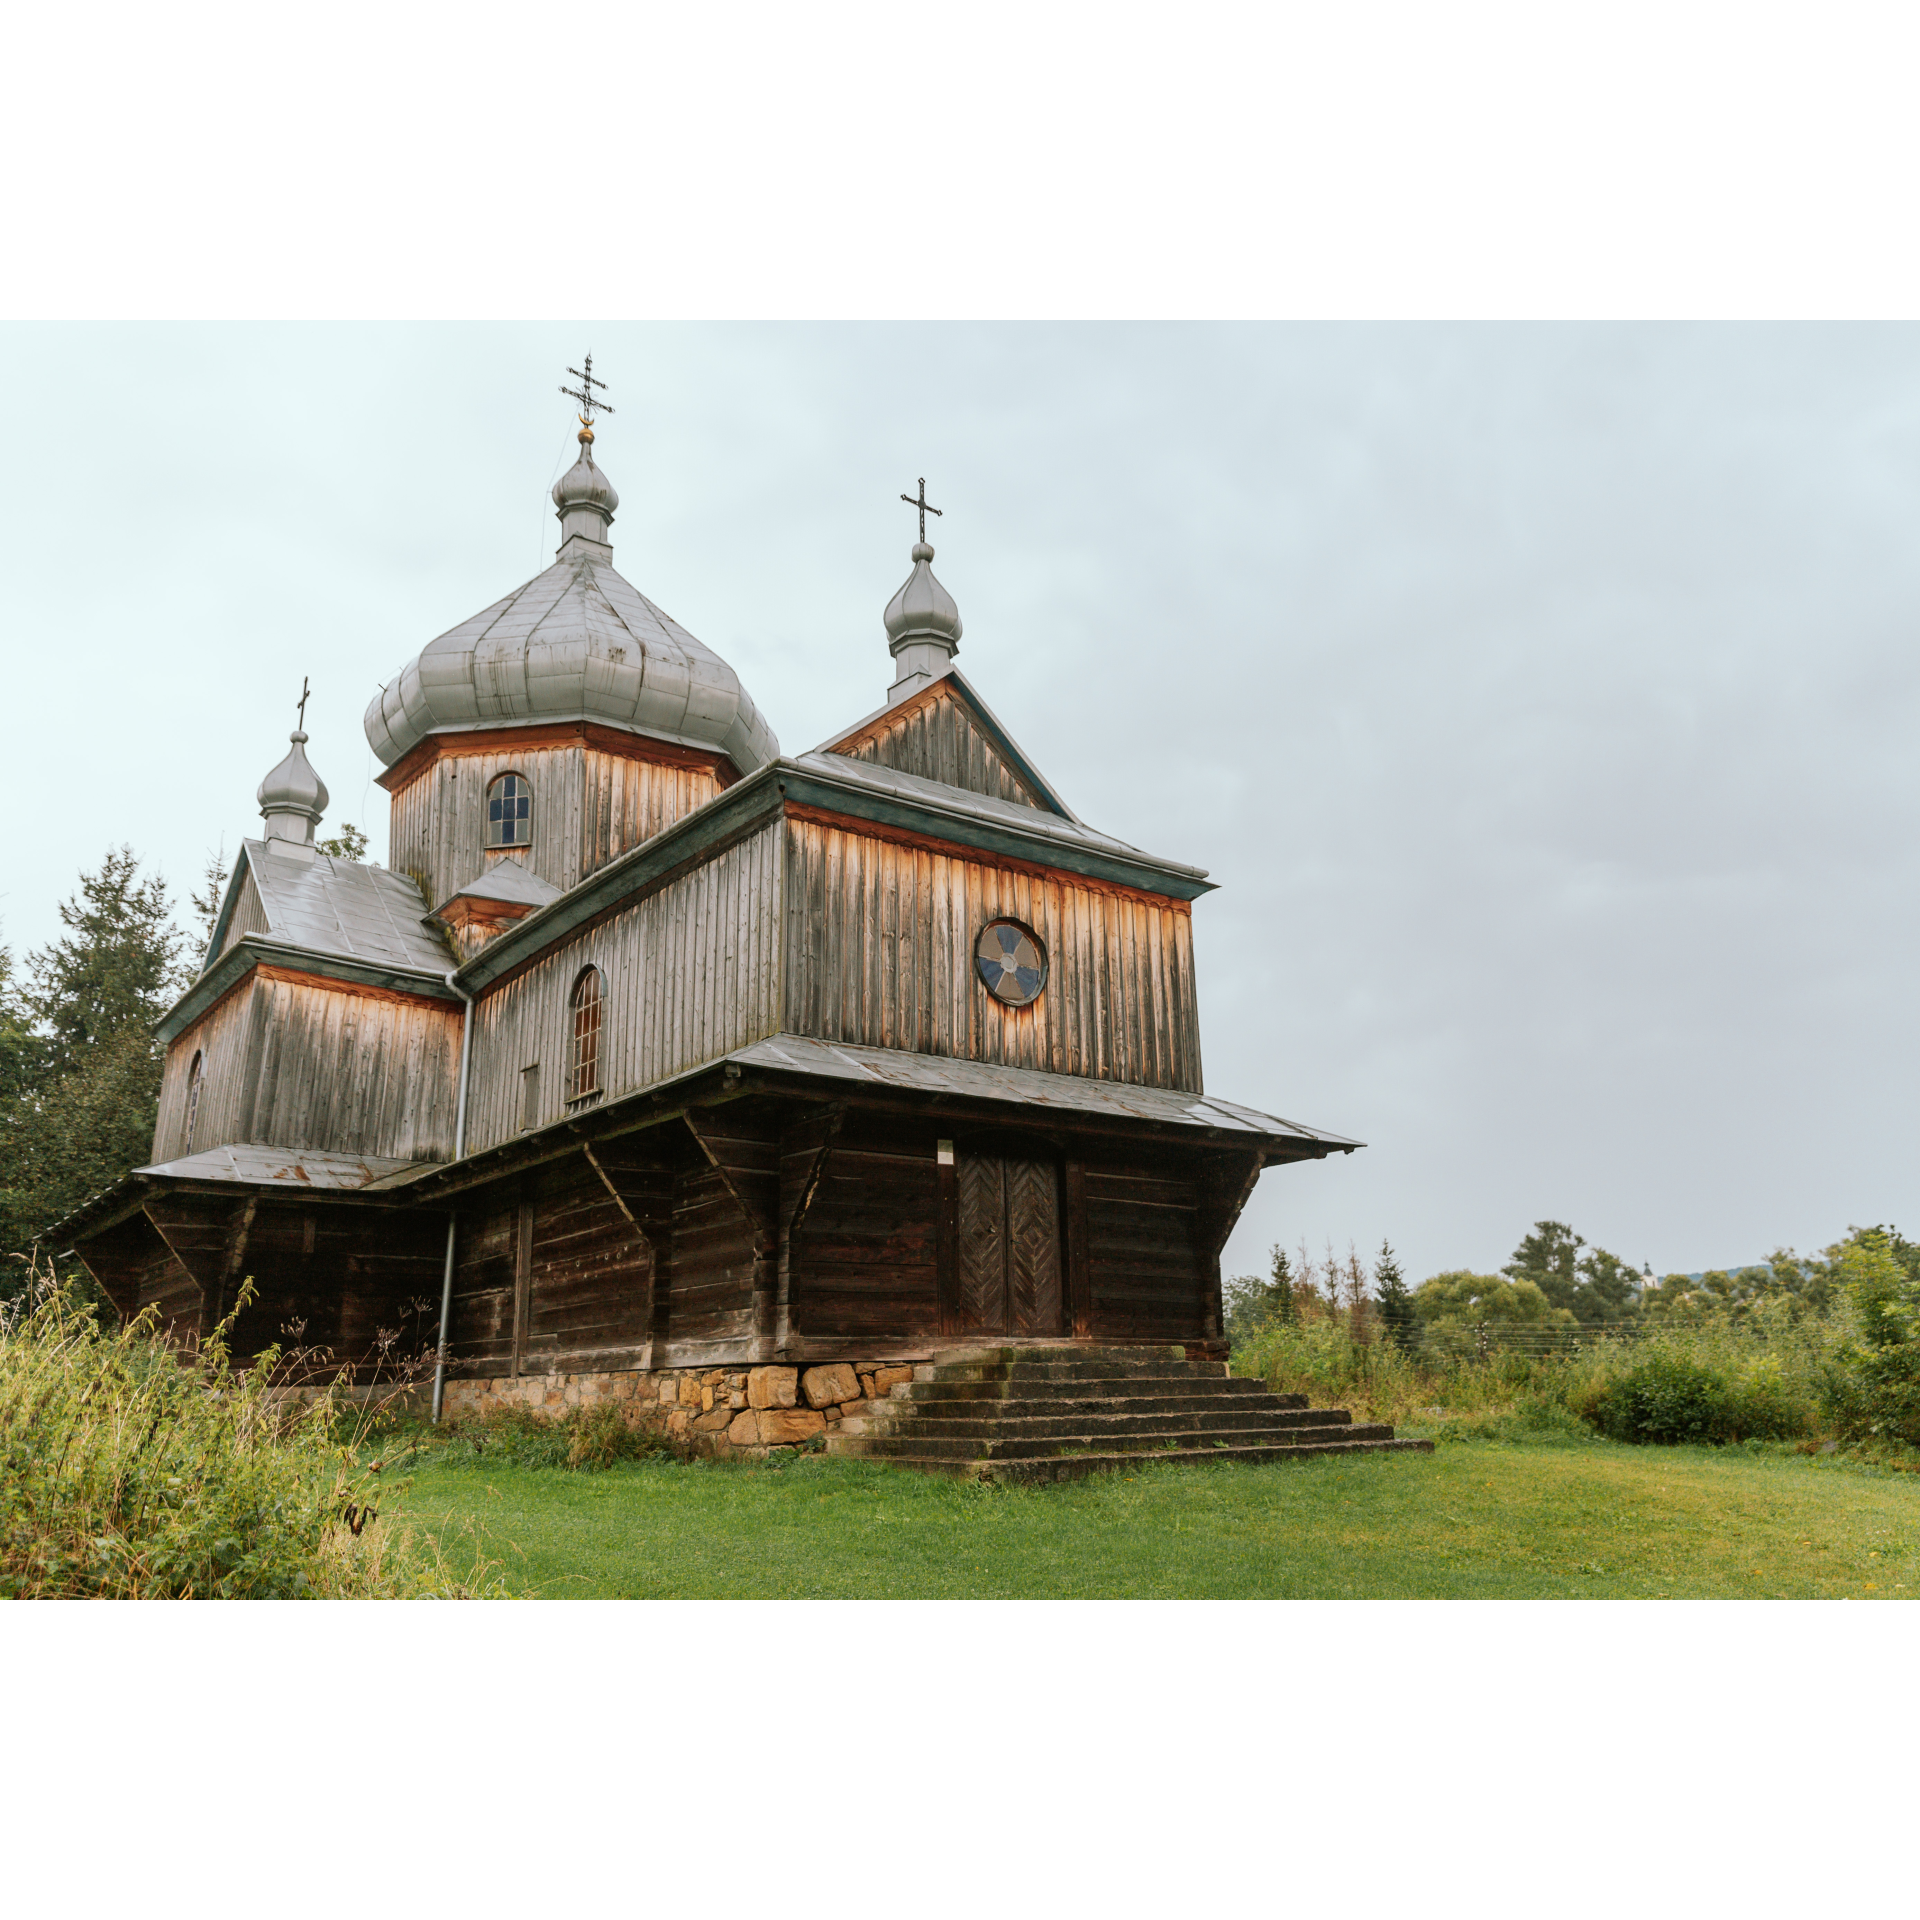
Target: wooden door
(1009, 1244)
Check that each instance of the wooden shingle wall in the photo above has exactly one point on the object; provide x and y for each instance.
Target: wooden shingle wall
(879, 939)
(588, 806)
(935, 737)
(691, 971)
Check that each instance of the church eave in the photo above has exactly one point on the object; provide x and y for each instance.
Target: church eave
(252, 950)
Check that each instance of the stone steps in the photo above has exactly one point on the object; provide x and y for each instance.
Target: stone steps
(1031, 1414)
(1022, 1419)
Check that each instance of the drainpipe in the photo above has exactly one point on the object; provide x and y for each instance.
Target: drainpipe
(459, 1148)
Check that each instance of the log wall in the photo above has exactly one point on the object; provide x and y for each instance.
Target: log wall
(879, 937)
(589, 805)
(691, 971)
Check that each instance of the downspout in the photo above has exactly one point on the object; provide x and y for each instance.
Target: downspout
(459, 1148)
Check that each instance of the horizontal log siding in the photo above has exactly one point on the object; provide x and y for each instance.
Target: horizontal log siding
(935, 739)
(221, 1033)
(590, 1295)
(249, 916)
(879, 952)
(691, 971)
(588, 806)
(1148, 1275)
(348, 1072)
(480, 1329)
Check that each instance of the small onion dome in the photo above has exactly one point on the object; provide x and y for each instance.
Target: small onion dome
(923, 609)
(293, 797)
(585, 497)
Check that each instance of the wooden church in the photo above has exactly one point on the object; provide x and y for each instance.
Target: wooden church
(657, 1053)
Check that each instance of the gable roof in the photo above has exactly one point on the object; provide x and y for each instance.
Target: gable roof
(330, 905)
(955, 685)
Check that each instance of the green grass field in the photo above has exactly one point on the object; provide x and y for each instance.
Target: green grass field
(1540, 1519)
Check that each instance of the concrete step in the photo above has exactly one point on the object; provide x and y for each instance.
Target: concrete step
(1030, 1419)
(1076, 1466)
(1092, 1366)
(937, 1406)
(1090, 1386)
(914, 1445)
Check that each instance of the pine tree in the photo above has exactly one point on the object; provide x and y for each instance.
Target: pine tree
(79, 1108)
(1397, 1313)
(1281, 1303)
(119, 970)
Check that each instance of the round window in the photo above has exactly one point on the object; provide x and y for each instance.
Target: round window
(1012, 963)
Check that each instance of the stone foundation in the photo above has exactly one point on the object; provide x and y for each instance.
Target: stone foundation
(720, 1412)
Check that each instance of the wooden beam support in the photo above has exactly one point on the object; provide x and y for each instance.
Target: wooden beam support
(1079, 1252)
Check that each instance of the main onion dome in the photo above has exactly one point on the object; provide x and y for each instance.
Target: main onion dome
(575, 643)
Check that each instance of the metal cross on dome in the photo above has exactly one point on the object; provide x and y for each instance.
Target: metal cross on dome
(589, 406)
(921, 503)
(303, 703)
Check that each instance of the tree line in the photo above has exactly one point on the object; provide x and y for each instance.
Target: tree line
(1555, 1281)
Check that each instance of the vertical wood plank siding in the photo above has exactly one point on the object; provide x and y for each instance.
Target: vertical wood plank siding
(588, 806)
(879, 942)
(935, 739)
(249, 916)
(292, 1064)
(691, 971)
(221, 1033)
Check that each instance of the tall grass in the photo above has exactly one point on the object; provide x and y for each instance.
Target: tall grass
(1768, 1376)
(126, 1473)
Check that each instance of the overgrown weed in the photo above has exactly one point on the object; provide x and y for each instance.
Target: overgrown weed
(130, 1472)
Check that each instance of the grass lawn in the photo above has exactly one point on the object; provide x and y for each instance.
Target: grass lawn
(1542, 1519)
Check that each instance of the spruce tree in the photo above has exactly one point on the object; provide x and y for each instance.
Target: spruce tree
(81, 1065)
(1396, 1309)
(1282, 1306)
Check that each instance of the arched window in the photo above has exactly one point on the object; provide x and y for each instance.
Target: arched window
(195, 1075)
(583, 1076)
(509, 811)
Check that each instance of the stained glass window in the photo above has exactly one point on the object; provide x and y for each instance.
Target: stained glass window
(1011, 962)
(509, 812)
(584, 1076)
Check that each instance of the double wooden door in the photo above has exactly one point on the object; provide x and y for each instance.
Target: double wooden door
(1009, 1244)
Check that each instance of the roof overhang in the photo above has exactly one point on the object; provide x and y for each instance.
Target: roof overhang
(253, 950)
(970, 1091)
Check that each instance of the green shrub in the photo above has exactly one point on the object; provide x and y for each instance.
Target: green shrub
(1873, 1389)
(126, 1474)
(1669, 1397)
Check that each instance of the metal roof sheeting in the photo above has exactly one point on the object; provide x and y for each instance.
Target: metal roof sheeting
(577, 642)
(340, 906)
(1025, 1086)
(289, 1167)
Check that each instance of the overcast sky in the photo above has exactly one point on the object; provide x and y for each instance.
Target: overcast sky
(1541, 698)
